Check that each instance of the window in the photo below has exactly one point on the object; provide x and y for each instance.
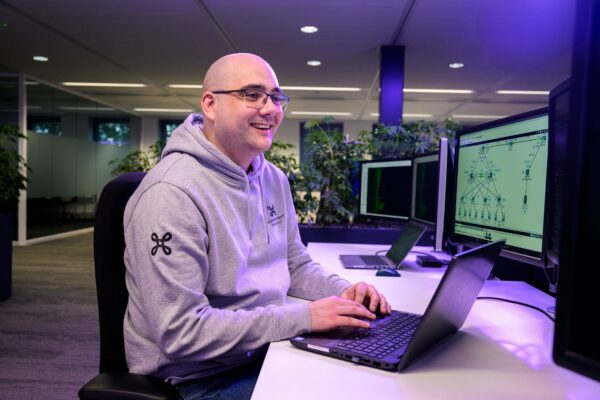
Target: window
(167, 126)
(111, 131)
(44, 125)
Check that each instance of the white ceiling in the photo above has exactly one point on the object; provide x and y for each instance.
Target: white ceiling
(504, 44)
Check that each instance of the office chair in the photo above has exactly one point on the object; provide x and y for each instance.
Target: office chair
(114, 381)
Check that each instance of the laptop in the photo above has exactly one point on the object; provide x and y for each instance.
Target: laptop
(396, 341)
(409, 236)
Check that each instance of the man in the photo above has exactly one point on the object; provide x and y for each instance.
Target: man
(213, 247)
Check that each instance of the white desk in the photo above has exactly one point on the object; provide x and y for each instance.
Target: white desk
(503, 351)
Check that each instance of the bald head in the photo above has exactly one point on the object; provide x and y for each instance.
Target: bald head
(224, 72)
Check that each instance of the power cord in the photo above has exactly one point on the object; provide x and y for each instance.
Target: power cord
(519, 303)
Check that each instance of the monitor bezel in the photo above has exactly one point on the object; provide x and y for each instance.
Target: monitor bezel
(514, 253)
(564, 87)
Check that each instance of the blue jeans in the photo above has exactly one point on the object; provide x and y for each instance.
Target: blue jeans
(237, 383)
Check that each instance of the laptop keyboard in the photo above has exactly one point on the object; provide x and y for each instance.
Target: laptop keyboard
(373, 260)
(384, 337)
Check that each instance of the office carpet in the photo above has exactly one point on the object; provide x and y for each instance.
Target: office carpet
(49, 343)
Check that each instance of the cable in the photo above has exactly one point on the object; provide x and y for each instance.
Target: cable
(517, 302)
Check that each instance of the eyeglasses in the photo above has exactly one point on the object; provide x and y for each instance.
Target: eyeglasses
(257, 98)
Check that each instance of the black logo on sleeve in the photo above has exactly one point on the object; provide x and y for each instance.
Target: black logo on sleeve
(160, 243)
(272, 211)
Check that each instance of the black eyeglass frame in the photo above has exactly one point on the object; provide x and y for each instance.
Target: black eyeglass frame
(275, 97)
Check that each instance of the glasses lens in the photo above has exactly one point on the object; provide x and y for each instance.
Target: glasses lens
(257, 99)
(254, 98)
(280, 100)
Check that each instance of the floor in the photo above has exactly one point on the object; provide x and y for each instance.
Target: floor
(49, 343)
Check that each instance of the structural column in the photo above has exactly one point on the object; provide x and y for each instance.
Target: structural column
(391, 81)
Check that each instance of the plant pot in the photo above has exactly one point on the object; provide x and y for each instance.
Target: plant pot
(357, 234)
(6, 235)
(348, 234)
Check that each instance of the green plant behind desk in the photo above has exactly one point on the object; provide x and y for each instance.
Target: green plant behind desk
(139, 160)
(330, 169)
(406, 140)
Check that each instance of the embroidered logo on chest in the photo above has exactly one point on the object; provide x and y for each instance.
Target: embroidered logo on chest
(271, 210)
(160, 243)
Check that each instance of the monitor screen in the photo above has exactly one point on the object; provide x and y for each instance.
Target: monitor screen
(385, 188)
(576, 329)
(500, 184)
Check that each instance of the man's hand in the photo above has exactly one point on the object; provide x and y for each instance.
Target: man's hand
(335, 312)
(366, 294)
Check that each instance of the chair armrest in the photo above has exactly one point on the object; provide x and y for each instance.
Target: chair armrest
(127, 386)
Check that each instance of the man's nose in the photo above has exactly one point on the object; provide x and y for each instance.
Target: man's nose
(269, 107)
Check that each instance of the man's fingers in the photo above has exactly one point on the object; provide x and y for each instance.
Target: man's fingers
(355, 310)
(360, 292)
(352, 322)
(375, 298)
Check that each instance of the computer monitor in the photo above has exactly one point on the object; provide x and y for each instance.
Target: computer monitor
(558, 129)
(429, 183)
(500, 185)
(385, 188)
(424, 188)
(576, 328)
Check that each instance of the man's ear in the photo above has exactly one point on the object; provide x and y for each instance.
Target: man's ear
(208, 105)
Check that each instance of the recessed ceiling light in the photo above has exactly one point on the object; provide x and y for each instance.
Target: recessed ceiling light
(475, 116)
(534, 92)
(332, 113)
(445, 91)
(103, 84)
(176, 86)
(40, 58)
(309, 29)
(314, 63)
(174, 110)
(456, 65)
(322, 88)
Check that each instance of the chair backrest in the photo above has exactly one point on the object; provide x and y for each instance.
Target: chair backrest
(109, 247)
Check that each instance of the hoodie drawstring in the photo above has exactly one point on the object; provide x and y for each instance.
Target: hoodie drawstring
(262, 199)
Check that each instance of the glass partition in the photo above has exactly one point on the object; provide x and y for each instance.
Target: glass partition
(71, 141)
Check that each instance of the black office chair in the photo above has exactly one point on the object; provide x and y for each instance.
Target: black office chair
(114, 381)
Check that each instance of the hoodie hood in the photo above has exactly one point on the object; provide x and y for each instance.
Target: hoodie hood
(189, 138)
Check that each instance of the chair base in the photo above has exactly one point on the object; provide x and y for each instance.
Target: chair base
(127, 386)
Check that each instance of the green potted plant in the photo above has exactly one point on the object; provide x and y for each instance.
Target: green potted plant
(408, 139)
(12, 181)
(139, 160)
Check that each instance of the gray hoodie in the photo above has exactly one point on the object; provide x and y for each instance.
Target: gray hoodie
(211, 253)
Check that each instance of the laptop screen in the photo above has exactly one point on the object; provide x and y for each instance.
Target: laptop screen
(408, 238)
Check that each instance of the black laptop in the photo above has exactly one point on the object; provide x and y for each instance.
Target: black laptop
(398, 340)
(409, 236)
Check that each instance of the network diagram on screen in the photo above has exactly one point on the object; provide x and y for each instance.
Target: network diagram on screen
(501, 184)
